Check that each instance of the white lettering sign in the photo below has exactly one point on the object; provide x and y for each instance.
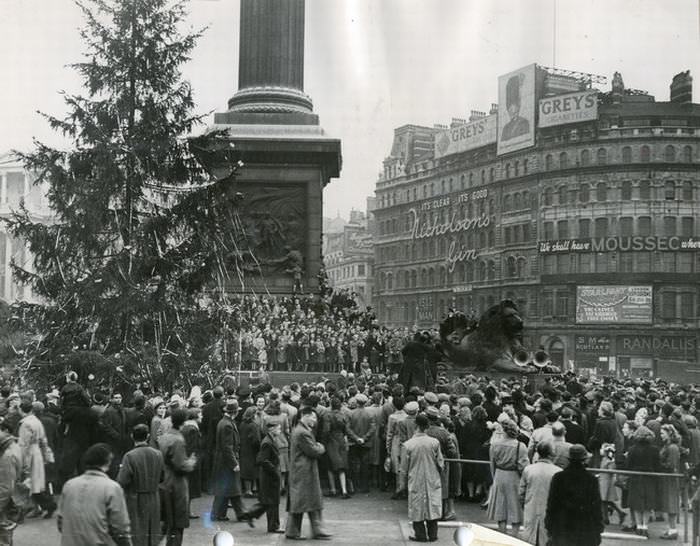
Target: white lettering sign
(569, 108)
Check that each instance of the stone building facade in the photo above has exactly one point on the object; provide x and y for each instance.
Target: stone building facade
(597, 209)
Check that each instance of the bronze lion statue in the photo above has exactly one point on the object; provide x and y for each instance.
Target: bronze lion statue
(494, 343)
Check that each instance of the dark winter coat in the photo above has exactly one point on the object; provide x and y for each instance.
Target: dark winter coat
(268, 462)
(304, 481)
(574, 516)
(227, 482)
(175, 489)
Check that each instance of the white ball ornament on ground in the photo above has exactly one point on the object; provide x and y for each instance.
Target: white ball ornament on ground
(223, 538)
(463, 536)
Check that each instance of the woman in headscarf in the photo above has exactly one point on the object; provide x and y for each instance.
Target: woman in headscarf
(670, 492)
(250, 435)
(508, 458)
(643, 456)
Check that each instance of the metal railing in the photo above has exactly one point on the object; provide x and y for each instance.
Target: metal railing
(683, 487)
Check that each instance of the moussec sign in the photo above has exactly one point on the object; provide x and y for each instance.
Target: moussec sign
(569, 108)
(466, 137)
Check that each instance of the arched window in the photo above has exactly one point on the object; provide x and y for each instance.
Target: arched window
(442, 186)
(425, 191)
(492, 208)
(481, 271)
(432, 189)
(462, 182)
(525, 166)
(670, 154)
(507, 170)
(511, 267)
(687, 191)
(645, 189)
(548, 162)
(562, 195)
(687, 154)
(526, 199)
(627, 154)
(424, 277)
(584, 193)
(483, 176)
(443, 276)
(601, 192)
(491, 270)
(585, 157)
(470, 210)
(471, 179)
(548, 196)
(469, 272)
(492, 238)
(506, 203)
(669, 190)
(563, 160)
(492, 174)
(389, 281)
(414, 278)
(644, 154)
(517, 203)
(521, 268)
(451, 186)
(431, 277)
(517, 168)
(602, 156)
(626, 191)
(482, 239)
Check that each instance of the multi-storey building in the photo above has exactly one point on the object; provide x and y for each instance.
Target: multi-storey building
(586, 214)
(17, 186)
(348, 256)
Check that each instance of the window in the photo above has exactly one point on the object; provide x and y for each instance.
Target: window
(585, 157)
(462, 182)
(492, 174)
(432, 189)
(645, 189)
(507, 235)
(451, 186)
(584, 193)
(525, 165)
(687, 154)
(584, 228)
(548, 230)
(516, 234)
(521, 268)
(471, 179)
(644, 154)
(601, 262)
(492, 238)
(601, 192)
(562, 195)
(517, 202)
(563, 264)
(511, 270)
(507, 170)
(563, 229)
(669, 226)
(642, 262)
(516, 167)
(602, 156)
(481, 271)
(548, 263)
(548, 303)
(526, 232)
(506, 203)
(562, 303)
(361, 270)
(584, 262)
(626, 191)
(548, 196)
(669, 154)
(627, 154)
(626, 262)
(425, 192)
(687, 190)
(687, 226)
(668, 305)
(548, 162)
(685, 262)
(644, 226)
(601, 227)
(687, 305)
(669, 190)
(563, 160)
(626, 226)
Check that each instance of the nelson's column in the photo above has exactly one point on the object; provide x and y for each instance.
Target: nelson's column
(287, 157)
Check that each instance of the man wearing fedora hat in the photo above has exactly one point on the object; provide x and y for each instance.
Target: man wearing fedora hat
(226, 476)
(574, 516)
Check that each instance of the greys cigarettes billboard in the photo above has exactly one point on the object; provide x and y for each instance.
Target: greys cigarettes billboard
(570, 108)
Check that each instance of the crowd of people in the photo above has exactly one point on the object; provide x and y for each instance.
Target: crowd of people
(129, 469)
(304, 333)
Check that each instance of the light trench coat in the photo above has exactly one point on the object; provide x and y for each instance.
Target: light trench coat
(35, 451)
(421, 465)
(534, 491)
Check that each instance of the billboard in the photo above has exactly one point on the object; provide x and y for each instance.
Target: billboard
(613, 304)
(569, 108)
(620, 244)
(516, 110)
(466, 137)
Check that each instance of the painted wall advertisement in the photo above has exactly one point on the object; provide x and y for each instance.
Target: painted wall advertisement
(613, 304)
(620, 244)
(570, 108)
(516, 110)
(466, 137)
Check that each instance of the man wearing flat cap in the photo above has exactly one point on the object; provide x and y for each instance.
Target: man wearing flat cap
(227, 470)
(574, 516)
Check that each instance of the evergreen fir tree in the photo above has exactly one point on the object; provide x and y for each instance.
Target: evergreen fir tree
(141, 228)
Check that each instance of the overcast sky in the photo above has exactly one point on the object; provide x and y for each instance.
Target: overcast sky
(373, 65)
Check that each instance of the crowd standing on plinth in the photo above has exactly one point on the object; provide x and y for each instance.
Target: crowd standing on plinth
(123, 467)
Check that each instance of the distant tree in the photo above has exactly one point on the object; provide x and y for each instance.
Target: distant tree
(134, 266)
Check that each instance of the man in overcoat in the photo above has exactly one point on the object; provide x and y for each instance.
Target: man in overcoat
(534, 488)
(448, 448)
(212, 412)
(304, 481)
(574, 516)
(226, 483)
(268, 461)
(421, 466)
(92, 508)
(361, 433)
(115, 429)
(175, 489)
(140, 476)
